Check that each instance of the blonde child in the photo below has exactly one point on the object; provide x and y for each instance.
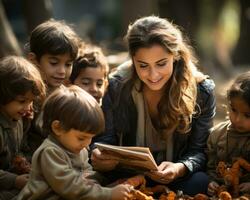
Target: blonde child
(20, 85)
(60, 167)
(90, 71)
(231, 139)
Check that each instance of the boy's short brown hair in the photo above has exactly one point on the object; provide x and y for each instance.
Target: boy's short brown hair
(74, 109)
(18, 76)
(53, 37)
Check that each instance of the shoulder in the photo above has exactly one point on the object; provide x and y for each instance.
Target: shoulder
(122, 73)
(222, 126)
(205, 94)
(219, 130)
(49, 149)
(206, 86)
(118, 80)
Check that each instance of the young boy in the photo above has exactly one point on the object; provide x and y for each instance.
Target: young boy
(60, 168)
(90, 71)
(52, 47)
(20, 85)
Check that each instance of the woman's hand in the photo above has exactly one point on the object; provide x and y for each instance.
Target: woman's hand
(167, 172)
(212, 188)
(102, 162)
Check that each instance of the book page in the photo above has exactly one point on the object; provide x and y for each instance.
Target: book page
(132, 156)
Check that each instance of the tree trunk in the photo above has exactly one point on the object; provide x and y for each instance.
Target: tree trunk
(36, 12)
(9, 44)
(241, 51)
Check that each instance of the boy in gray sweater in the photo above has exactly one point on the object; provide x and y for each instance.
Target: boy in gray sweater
(60, 168)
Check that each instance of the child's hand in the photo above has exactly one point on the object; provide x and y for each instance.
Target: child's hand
(245, 187)
(121, 192)
(212, 188)
(21, 181)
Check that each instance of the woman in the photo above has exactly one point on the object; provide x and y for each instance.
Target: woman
(162, 102)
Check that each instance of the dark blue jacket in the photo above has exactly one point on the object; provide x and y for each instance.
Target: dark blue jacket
(121, 122)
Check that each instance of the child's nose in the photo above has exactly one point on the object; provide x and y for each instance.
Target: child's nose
(94, 88)
(28, 106)
(61, 69)
(87, 142)
(238, 118)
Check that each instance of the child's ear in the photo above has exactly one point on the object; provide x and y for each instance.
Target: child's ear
(32, 58)
(56, 127)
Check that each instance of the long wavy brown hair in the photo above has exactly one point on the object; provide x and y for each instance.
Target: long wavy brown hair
(177, 105)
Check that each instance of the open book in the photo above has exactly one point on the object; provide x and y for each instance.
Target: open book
(133, 157)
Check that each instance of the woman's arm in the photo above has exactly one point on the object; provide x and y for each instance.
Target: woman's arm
(194, 157)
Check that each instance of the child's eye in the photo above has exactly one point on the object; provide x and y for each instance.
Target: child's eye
(233, 109)
(21, 101)
(99, 83)
(68, 65)
(53, 63)
(247, 115)
(85, 82)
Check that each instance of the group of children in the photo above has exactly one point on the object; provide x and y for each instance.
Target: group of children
(58, 131)
(46, 115)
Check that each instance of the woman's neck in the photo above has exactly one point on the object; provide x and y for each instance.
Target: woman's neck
(152, 99)
(154, 95)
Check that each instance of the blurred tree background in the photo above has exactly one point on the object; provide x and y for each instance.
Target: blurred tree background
(218, 30)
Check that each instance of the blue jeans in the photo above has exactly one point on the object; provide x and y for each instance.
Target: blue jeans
(192, 185)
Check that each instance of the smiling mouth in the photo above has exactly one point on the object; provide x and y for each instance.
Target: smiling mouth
(154, 82)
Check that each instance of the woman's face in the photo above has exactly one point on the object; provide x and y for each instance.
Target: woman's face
(154, 66)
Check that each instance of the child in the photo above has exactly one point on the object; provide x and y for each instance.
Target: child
(60, 165)
(90, 71)
(20, 84)
(231, 139)
(53, 46)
